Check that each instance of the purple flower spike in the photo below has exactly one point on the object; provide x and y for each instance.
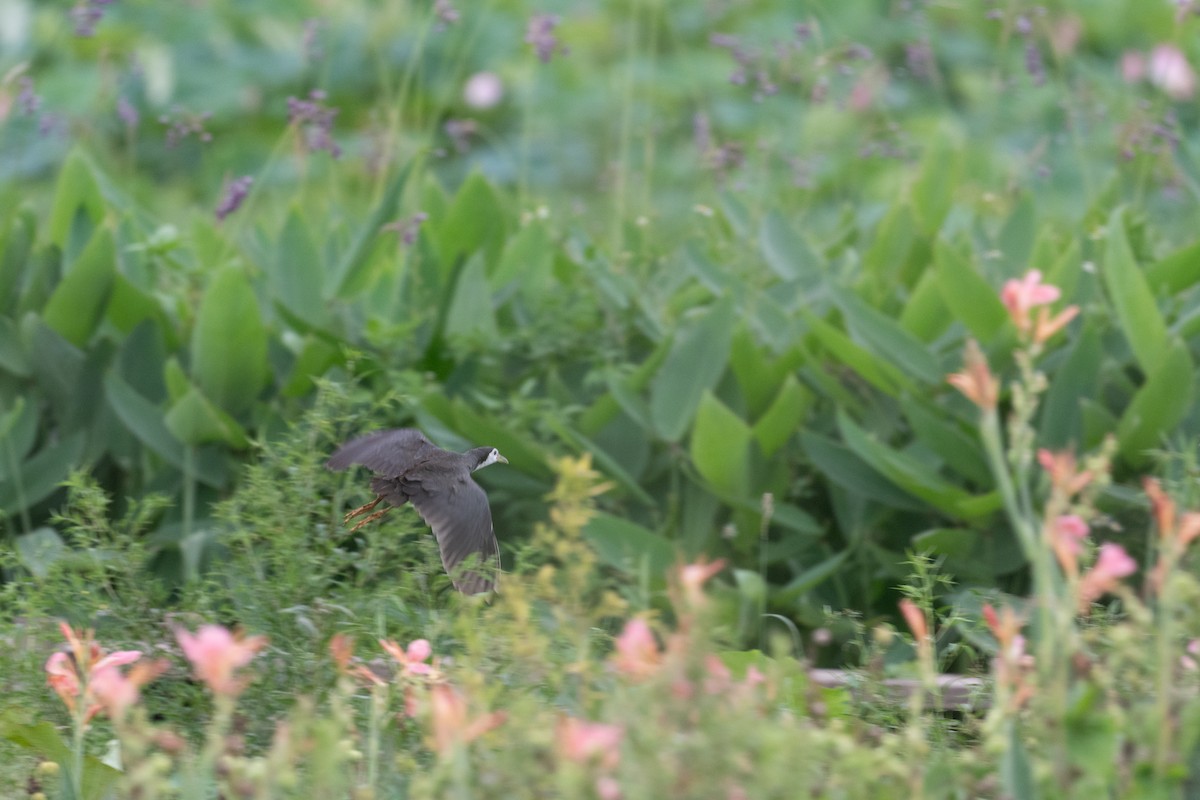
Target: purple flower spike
(316, 119)
(540, 34)
(235, 192)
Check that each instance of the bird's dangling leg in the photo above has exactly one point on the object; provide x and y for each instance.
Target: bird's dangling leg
(362, 510)
(371, 518)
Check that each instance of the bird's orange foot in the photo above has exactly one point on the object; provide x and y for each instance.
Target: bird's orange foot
(371, 518)
(362, 510)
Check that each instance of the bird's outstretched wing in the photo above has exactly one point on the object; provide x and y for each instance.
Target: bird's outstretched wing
(390, 452)
(462, 523)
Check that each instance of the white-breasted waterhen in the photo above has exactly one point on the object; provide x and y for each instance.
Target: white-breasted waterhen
(411, 469)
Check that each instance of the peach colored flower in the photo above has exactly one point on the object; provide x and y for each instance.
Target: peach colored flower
(79, 671)
(1170, 71)
(637, 653)
(341, 648)
(1070, 530)
(411, 660)
(1133, 66)
(1011, 660)
(215, 654)
(582, 741)
(1046, 327)
(1021, 296)
(608, 788)
(914, 617)
(1163, 507)
(118, 692)
(1062, 470)
(451, 726)
(976, 380)
(1112, 564)
(692, 578)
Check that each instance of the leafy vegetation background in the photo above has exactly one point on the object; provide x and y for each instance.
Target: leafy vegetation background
(729, 249)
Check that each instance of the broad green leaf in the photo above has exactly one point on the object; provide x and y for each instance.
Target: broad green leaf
(940, 433)
(841, 466)
(526, 261)
(696, 362)
(1132, 299)
(1158, 406)
(809, 579)
(77, 191)
(470, 313)
(970, 298)
(39, 549)
(41, 474)
(145, 421)
(16, 247)
(879, 372)
(43, 738)
(194, 420)
(315, 357)
(77, 305)
(932, 193)
(787, 254)
(56, 364)
(630, 547)
(914, 476)
(18, 432)
(1016, 238)
(229, 343)
(758, 375)
(890, 246)
(607, 464)
(926, 315)
(296, 272)
(1074, 380)
(1178, 271)
(348, 272)
(720, 448)
(41, 277)
(713, 277)
(1016, 773)
(128, 306)
(773, 429)
(12, 356)
(885, 337)
(476, 220)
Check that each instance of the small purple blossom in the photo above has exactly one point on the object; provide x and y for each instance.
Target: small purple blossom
(86, 15)
(127, 113)
(235, 192)
(1035, 66)
(446, 14)
(408, 227)
(540, 34)
(316, 119)
(182, 124)
(460, 132)
(28, 100)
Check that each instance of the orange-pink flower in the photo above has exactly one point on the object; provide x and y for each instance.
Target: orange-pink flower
(411, 660)
(692, 578)
(914, 617)
(1062, 470)
(637, 653)
(1021, 296)
(85, 670)
(215, 654)
(1112, 564)
(976, 380)
(451, 726)
(582, 741)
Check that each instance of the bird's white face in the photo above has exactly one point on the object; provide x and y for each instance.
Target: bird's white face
(493, 457)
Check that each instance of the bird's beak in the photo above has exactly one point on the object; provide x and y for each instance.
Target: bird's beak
(501, 459)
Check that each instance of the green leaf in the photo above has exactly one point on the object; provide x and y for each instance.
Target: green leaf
(720, 448)
(696, 362)
(145, 421)
(878, 372)
(476, 220)
(773, 429)
(630, 547)
(527, 259)
(607, 464)
(18, 432)
(316, 356)
(194, 420)
(1075, 380)
(229, 343)
(941, 434)
(970, 298)
(890, 247)
(12, 357)
(128, 306)
(1175, 273)
(470, 313)
(1159, 405)
(885, 337)
(786, 252)
(932, 192)
(56, 363)
(42, 738)
(41, 474)
(39, 549)
(348, 273)
(77, 191)
(77, 305)
(1132, 299)
(296, 272)
(811, 578)
(16, 247)
(913, 476)
(1016, 772)
(841, 466)
(758, 376)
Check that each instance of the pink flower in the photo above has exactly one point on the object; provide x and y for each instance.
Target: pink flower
(451, 727)
(86, 670)
(118, 692)
(637, 653)
(1021, 297)
(607, 788)
(976, 380)
(692, 578)
(1171, 72)
(412, 660)
(483, 90)
(1133, 66)
(1062, 470)
(1112, 564)
(581, 741)
(914, 617)
(215, 653)
(1070, 530)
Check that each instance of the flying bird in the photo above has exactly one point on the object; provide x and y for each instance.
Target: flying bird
(411, 469)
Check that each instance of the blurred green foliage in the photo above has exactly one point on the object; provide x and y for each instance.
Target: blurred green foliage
(730, 249)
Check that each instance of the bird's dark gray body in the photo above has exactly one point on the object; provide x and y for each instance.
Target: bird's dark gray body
(411, 469)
